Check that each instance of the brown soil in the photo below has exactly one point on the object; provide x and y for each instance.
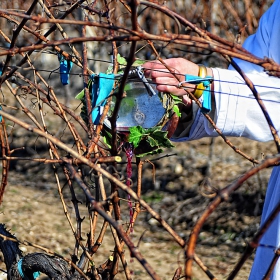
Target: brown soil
(33, 212)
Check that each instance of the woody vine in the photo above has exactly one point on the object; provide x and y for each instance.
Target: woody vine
(51, 43)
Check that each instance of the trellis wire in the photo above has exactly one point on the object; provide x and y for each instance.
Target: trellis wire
(111, 24)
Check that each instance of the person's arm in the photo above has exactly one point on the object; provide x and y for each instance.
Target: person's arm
(235, 111)
(234, 108)
(166, 82)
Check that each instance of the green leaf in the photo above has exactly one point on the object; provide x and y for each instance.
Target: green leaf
(161, 137)
(176, 99)
(80, 95)
(109, 70)
(153, 129)
(107, 141)
(152, 141)
(136, 133)
(138, 62)
(177, 110)
(148, 141)
(121, 60)
(153, 152)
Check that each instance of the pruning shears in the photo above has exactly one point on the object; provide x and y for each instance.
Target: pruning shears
(206, 82)
(138, 73)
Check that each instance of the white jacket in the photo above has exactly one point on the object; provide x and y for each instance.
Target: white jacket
(237, 113)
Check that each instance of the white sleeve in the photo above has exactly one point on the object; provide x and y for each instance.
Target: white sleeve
(236, 112)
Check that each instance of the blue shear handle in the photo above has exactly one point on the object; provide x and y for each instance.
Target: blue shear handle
(206, 103)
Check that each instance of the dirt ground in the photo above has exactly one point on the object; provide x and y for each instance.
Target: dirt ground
(32, 210)
(186, 176)
(36, 216)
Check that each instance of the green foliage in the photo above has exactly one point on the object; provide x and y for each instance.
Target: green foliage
(80, 95)
(152, 139)
(107, 138)
(136, 133)
(154, 196)
(145, 141)
(177, 110)
(138, 62)
(121, 60)
(176, 101)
